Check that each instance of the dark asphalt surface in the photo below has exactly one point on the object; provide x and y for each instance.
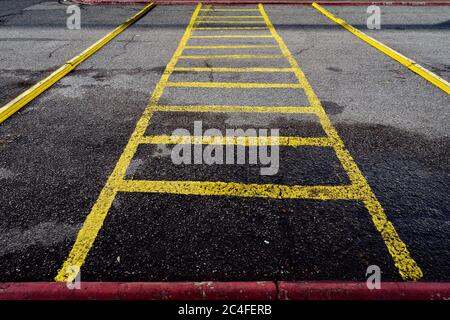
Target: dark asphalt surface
(56, 154)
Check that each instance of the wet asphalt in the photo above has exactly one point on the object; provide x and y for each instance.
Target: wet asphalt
(57, 153)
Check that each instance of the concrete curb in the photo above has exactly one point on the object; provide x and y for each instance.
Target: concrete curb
(274, 2)
(263, 290)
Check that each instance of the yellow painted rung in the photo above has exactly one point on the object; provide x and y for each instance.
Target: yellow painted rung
(229, 17)
(243, 141)
(201, 69)
(250, 109)
(233, 189)
(230, 22)
(234, 85)
(233, 36)
(230, 10)
(233, 46)
(234, 56)
(231, 28)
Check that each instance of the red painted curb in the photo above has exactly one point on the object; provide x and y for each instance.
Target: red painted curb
(359, 291)
(264, 290)
(275, 2)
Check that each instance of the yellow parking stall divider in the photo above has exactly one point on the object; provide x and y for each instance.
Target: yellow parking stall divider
(32, 93)
(431, 77)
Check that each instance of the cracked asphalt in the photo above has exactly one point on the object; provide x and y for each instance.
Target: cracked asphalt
(57, 152)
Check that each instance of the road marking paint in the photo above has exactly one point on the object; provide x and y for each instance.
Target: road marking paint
(32, 93)
(209, 188)
(232, 36)
(243, 141)
(231, 28)
(233, 46)
(407, 267)
(358, 190)
(228, 22)
(200, 69)
(251, 109)
(234, 56)
(407, 62)
(229, 17)
(234, 85)
(96, 217)
(231, 10)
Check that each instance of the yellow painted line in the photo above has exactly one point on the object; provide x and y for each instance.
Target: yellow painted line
(200, 69)
(250, 109)
(29, 95)
(232, 36)
(231, 28)
(229, 17)
(208, 188)
(407, 62)
(406, 266)
(234, 85)
(95, 218)
(235, 56)
(229, 22)
(233, 46)
(230, 10)
(244, 141)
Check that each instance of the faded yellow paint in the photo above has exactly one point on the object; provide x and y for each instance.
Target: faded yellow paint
(230, 28)
(234, 85)
(251, 109)
(212, 69)
(208, 188)
(235, 56)
(233, 46)
(244, 141)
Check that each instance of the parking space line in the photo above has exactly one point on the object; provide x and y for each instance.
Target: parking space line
(233, 189)
(407, 62)
(32, 93)
(213, 69)
(249, 85)
(242, 141)
(236, 109)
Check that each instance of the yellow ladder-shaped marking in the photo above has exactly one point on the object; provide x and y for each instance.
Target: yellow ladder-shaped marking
(357, 190)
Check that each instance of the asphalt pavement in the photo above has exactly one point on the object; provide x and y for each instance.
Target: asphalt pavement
(57, 153)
